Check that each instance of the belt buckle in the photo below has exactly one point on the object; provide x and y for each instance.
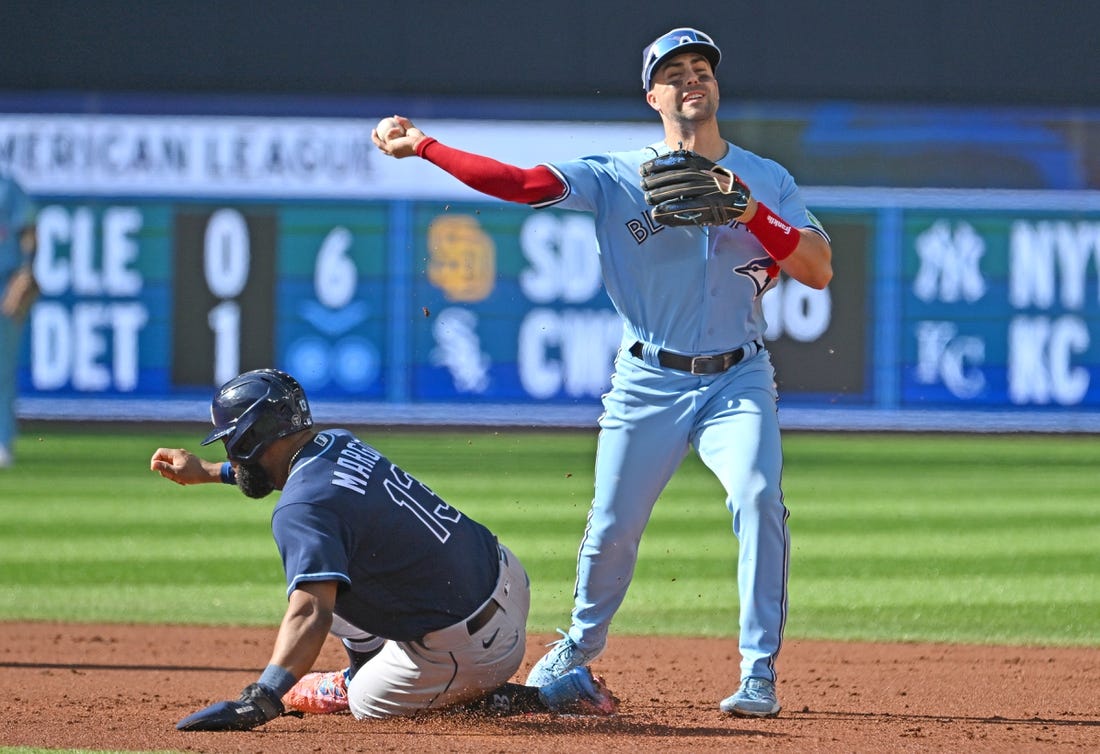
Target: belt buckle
(701, 361)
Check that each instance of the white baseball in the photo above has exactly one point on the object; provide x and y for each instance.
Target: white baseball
(385, 126)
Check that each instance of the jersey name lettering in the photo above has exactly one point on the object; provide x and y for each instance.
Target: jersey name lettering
(360, 460)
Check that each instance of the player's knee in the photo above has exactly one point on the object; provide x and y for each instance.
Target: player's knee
(764, 502)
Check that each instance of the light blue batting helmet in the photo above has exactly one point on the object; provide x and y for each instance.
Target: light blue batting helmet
(676, 42)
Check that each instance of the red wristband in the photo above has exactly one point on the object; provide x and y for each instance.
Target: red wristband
(423, 144)
(777, 237)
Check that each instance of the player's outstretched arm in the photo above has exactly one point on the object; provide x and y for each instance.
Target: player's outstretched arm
(184, 467)
(492, 177)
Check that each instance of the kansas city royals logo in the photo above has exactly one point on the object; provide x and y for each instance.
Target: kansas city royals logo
(763, 272)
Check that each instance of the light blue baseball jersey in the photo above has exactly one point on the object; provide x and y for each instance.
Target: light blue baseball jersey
(710, 306)
(16, 213)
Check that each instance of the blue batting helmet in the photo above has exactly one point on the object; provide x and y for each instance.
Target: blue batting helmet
(676, 42)
(255, 409)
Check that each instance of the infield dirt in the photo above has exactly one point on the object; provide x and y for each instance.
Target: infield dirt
(123, 687)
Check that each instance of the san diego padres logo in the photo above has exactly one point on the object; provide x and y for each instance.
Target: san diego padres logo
(463, 258)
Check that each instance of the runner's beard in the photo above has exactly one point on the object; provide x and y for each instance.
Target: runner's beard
(254, 481)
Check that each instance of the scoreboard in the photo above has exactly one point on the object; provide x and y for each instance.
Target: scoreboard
(173, 255)
(375, 300)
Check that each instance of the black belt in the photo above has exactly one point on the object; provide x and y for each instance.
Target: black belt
(479, 621)
(715, 364)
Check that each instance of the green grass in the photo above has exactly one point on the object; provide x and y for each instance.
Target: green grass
(976, 539)
(982, 539)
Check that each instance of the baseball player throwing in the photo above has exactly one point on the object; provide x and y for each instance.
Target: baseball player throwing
(430, 607)
(692, 230)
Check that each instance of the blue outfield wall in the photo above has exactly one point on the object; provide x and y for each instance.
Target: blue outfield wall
(173, 259)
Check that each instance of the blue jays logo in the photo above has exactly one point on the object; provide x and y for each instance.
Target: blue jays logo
(763, 273)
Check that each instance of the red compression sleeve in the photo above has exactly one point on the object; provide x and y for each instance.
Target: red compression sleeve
(507, 182)
(777, 237)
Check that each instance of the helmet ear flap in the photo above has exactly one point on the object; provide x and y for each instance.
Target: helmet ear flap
(249, 444)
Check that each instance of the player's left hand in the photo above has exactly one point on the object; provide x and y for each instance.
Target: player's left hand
(685, 188)
(256, 705)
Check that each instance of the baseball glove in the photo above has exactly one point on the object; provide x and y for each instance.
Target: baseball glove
(20, 292)
(685, 188)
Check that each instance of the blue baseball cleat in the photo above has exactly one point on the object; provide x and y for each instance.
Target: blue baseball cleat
(755, 698)
(565, 656)
(578, 692)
